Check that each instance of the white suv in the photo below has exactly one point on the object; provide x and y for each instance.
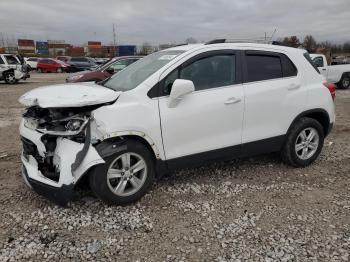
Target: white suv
(184, 106)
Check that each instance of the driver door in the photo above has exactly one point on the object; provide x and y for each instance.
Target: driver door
(206, 124)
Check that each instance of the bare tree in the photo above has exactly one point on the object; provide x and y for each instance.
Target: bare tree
(310, 43)
(291, 41)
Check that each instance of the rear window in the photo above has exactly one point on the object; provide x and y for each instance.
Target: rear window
(308, 58)
(289, 69)
(263, 67)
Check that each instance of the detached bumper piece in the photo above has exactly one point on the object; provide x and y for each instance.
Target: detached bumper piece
(58, 195)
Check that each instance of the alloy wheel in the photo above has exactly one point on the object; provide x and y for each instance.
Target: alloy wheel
(307, 143)
(127, 174)
(10, 78)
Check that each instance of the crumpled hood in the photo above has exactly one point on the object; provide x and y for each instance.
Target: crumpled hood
(68, 95)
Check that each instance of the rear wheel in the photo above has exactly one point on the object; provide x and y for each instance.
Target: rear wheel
(126, 176)
(304, 143)
(10, 78)
(39, 70)
(59, 70)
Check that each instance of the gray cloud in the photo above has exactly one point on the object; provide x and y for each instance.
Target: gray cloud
(165, 21)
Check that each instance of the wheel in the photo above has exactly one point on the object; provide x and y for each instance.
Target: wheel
(304, 143)
(126, 176)
(59, 70)
(39, 70)
(344, 81)
(10, 78)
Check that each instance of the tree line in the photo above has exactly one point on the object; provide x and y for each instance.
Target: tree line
(310, 44)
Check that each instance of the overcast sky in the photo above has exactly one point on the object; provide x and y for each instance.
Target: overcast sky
(167, 21)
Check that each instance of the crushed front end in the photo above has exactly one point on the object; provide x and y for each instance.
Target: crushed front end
(57, 150)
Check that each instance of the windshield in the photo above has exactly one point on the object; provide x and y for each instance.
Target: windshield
(136, 73)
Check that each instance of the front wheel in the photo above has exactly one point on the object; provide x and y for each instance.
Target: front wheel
(10, 78)
(304, 143)
(59, 70)
(126, 176)
(345, 81)
(39, 70)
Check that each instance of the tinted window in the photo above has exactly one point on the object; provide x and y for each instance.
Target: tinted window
(1, 61)
(318, 61)
(79, 59)
(288, 67)
(263, 67)
(11, 60)
(210, 72)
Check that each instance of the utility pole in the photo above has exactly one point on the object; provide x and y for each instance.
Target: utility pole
(114, 41)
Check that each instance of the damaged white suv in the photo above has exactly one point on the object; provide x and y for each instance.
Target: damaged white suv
(180, 107)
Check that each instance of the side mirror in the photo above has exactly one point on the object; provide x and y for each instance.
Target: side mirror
(180, 88)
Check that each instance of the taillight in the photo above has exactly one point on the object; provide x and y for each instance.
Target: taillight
(331, 88)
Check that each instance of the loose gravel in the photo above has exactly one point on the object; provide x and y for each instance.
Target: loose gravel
(254, 209)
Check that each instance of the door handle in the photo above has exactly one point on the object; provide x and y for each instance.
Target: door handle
(232, 100)
(293, 87)
(323, 69)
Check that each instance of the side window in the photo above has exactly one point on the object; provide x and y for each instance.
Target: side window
(263, 67)
(318, 61)
(211, 72)
(205, 73)
(288, 68)
(1, 61)
(11, 60)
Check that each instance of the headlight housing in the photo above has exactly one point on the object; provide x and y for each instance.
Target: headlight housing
(65, 127)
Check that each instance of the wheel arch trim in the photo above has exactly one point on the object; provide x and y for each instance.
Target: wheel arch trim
(309, 113)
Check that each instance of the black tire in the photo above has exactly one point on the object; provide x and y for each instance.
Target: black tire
(344, 82)
(98, 176)
(289, 154)
(60, 70)
(10, 78)
(39, 70)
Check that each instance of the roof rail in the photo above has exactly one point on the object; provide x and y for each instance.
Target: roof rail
(248, 40)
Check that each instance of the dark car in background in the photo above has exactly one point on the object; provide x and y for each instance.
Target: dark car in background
(81, 64)
(46, 65)
(104, 71)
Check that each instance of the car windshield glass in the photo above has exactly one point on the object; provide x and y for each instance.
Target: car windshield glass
(136, 73)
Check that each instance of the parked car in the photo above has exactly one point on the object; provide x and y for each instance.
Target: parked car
(81, 64)
(337, 74)
(63, 58)
(11, 69)
(46, 65)
(180, 107)
(104, 71)
(31, 62)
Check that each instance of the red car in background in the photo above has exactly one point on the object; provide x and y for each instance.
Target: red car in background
(52, 65)
(103, 71)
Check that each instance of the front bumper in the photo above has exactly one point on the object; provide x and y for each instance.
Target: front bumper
(70, 160)
(59, 195)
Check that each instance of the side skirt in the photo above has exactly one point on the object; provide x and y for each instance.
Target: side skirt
(263, 146)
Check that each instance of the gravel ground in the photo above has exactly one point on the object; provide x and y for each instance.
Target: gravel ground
(254, 209)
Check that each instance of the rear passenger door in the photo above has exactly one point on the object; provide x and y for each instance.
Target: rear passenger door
(273, 96)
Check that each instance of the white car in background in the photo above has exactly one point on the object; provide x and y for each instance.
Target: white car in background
(31, 62)
(181, 107)
(337, 74)
(11, 69)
